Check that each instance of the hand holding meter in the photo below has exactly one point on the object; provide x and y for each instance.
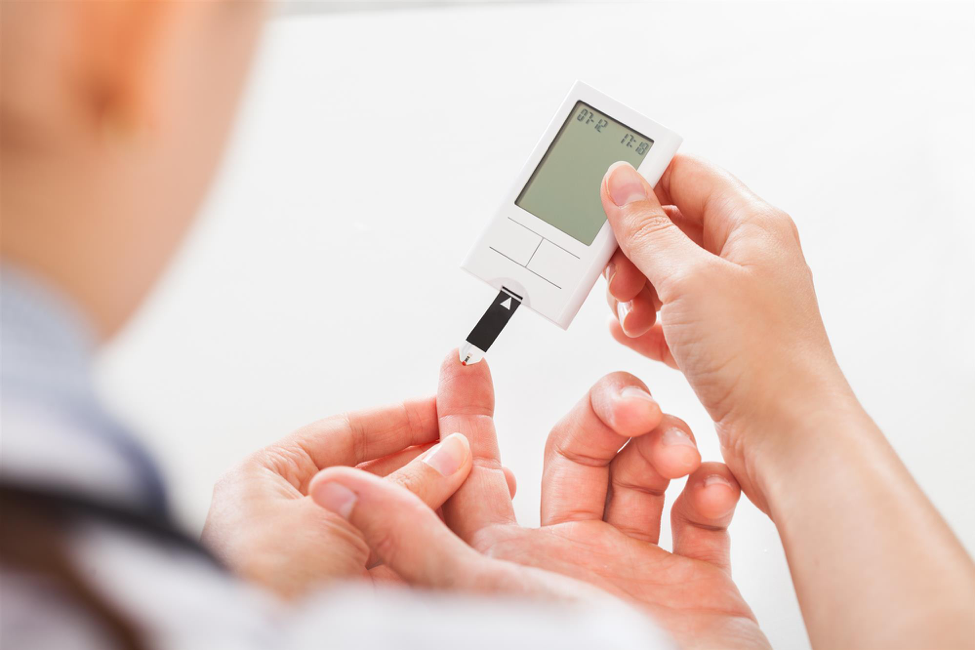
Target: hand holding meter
(549, 241)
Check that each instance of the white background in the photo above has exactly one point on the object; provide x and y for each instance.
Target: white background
(373, 147)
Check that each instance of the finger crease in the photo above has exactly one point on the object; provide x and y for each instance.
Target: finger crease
(623, 485)
(487, 463)
(581, 459)
(707, 527)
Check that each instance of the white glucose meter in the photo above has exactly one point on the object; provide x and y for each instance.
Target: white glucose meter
(549, 241)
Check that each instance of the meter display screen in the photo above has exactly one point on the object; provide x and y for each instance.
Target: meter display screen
(564, 189)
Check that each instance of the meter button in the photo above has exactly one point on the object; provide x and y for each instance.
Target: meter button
(514, 241)
(555, 264)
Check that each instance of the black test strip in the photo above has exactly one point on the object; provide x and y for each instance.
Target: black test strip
(494, 320)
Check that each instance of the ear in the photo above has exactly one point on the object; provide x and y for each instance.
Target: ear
(122, 49)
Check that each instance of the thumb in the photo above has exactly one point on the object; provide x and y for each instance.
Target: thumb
(645, 233)
(402, 530)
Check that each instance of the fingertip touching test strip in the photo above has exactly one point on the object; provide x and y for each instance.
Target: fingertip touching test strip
(550, 240)
(490, 325)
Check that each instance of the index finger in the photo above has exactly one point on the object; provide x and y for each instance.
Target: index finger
(707, 195)
(356, 437)
(465, 404)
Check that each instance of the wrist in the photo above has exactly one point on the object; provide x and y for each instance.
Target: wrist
(802, 447)
(802, 419)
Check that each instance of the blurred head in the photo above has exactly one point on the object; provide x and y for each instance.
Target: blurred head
(112, 119)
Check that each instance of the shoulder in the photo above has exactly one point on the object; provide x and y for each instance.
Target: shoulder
(105, 583)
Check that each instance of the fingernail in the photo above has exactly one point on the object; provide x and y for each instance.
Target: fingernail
(625, 185)
(609, 272)
(717, 479)
(622, 309)
(635, 392)
(336, 498)
(678, 437)
(448, 456)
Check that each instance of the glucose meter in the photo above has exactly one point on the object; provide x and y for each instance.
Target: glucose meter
(550, 240)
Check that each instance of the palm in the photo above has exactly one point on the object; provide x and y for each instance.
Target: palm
(695, 600)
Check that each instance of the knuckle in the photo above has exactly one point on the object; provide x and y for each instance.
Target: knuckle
(639, 485)
(407, 477)
(693, 277)
(646, 226)
(578, 457)
(385, 545)
(415, 478)
(766, 220)
(807, 273)
(290, 462)
(790, 225)
(775, 220)
(786, 225)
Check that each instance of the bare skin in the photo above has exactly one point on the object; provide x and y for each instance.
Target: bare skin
(266, 496)
(112, 119)
(714, 283)
(263, 524)
(601, 507)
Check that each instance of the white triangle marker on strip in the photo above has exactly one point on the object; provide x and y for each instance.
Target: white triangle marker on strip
(506, 304)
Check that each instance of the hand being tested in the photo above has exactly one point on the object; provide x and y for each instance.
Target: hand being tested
(601, 506)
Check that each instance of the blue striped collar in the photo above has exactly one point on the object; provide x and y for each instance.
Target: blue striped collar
(55, 431)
